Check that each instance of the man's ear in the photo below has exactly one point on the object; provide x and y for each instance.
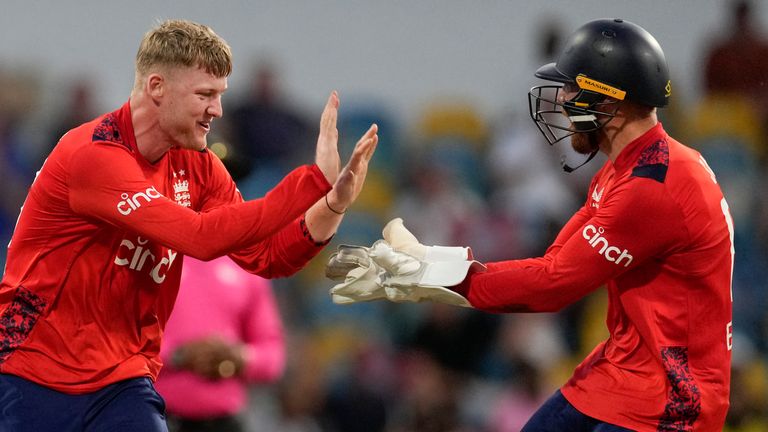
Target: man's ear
(155, 85)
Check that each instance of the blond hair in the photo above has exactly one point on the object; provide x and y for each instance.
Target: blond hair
(182, 43)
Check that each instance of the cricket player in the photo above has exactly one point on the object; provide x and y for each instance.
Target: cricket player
(655, 230)
(94, 264)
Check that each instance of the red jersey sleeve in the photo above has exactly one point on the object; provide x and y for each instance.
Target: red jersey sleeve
(106, 183)
(592, 249)
(279, 254)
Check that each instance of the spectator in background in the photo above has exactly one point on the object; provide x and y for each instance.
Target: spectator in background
(436, 193)
(78, 109)
(265, 130)
(529, 183)
(12, 177)
(520, 399)
(739, 53)
(429, 399)
(737, 63)
(17, 102)
(224, 334)
(455, 338)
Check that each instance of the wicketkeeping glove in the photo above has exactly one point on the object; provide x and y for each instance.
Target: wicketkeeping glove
(362, 277)
(408, 272)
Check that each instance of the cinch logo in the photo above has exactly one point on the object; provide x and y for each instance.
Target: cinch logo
(131, 203)
(594, 237)
(138, 256)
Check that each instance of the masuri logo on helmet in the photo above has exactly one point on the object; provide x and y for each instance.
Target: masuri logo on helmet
(598, 87)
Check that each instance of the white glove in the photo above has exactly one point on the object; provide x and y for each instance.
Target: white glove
(362, 277)
(381, 272)
(400, 269)
(405, 270)
(402, 240)
(410, 280)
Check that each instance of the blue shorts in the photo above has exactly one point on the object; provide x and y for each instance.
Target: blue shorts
(126, 406)
(557, 415)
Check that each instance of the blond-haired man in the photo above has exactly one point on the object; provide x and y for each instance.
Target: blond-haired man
(94, 264)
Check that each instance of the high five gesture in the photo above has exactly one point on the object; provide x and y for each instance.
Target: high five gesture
(324, 217)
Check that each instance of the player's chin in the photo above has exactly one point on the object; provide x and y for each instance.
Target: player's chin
(200, 137)
(199, 141)
(196, 143)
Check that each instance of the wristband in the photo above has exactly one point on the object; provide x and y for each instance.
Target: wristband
(331, 208)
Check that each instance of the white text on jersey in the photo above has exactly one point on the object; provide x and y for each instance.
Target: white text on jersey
(131, 203)
(138, 259)
(594, 237)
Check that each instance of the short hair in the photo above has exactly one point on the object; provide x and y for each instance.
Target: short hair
(178, 43)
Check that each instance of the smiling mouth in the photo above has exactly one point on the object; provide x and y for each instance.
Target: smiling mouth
(205, 125)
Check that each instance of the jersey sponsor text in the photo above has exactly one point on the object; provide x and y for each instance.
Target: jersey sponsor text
(131, 203)
(594, 237)
(138, 259)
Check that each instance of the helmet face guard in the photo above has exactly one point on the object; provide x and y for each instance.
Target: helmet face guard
(586, 112)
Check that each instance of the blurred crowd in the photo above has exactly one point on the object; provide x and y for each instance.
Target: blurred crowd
(456, 177)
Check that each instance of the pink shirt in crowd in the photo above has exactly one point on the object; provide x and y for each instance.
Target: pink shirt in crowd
(218, 298)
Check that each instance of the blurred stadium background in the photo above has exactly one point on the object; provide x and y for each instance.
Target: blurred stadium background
(459, 160)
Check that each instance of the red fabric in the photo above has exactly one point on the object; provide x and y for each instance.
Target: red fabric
(655, 231)
(98, 248)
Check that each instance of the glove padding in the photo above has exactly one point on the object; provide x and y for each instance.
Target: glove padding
(381, 271)
(362, 283)
(404, 270)
(346, 258)
(402, 240)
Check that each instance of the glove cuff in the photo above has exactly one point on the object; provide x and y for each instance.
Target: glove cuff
(447, 253)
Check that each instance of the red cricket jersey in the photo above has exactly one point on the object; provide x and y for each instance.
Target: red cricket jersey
(657, 232)
(94, 264)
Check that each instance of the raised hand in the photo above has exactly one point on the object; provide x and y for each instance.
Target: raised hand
(352, 177)
(327, 152)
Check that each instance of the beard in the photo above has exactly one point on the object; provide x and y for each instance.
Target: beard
(585, 142)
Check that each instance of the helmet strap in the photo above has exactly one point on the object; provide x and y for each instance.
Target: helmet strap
(569, 169)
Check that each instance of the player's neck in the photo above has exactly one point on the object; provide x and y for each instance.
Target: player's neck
(150, 140)
(619, 134)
